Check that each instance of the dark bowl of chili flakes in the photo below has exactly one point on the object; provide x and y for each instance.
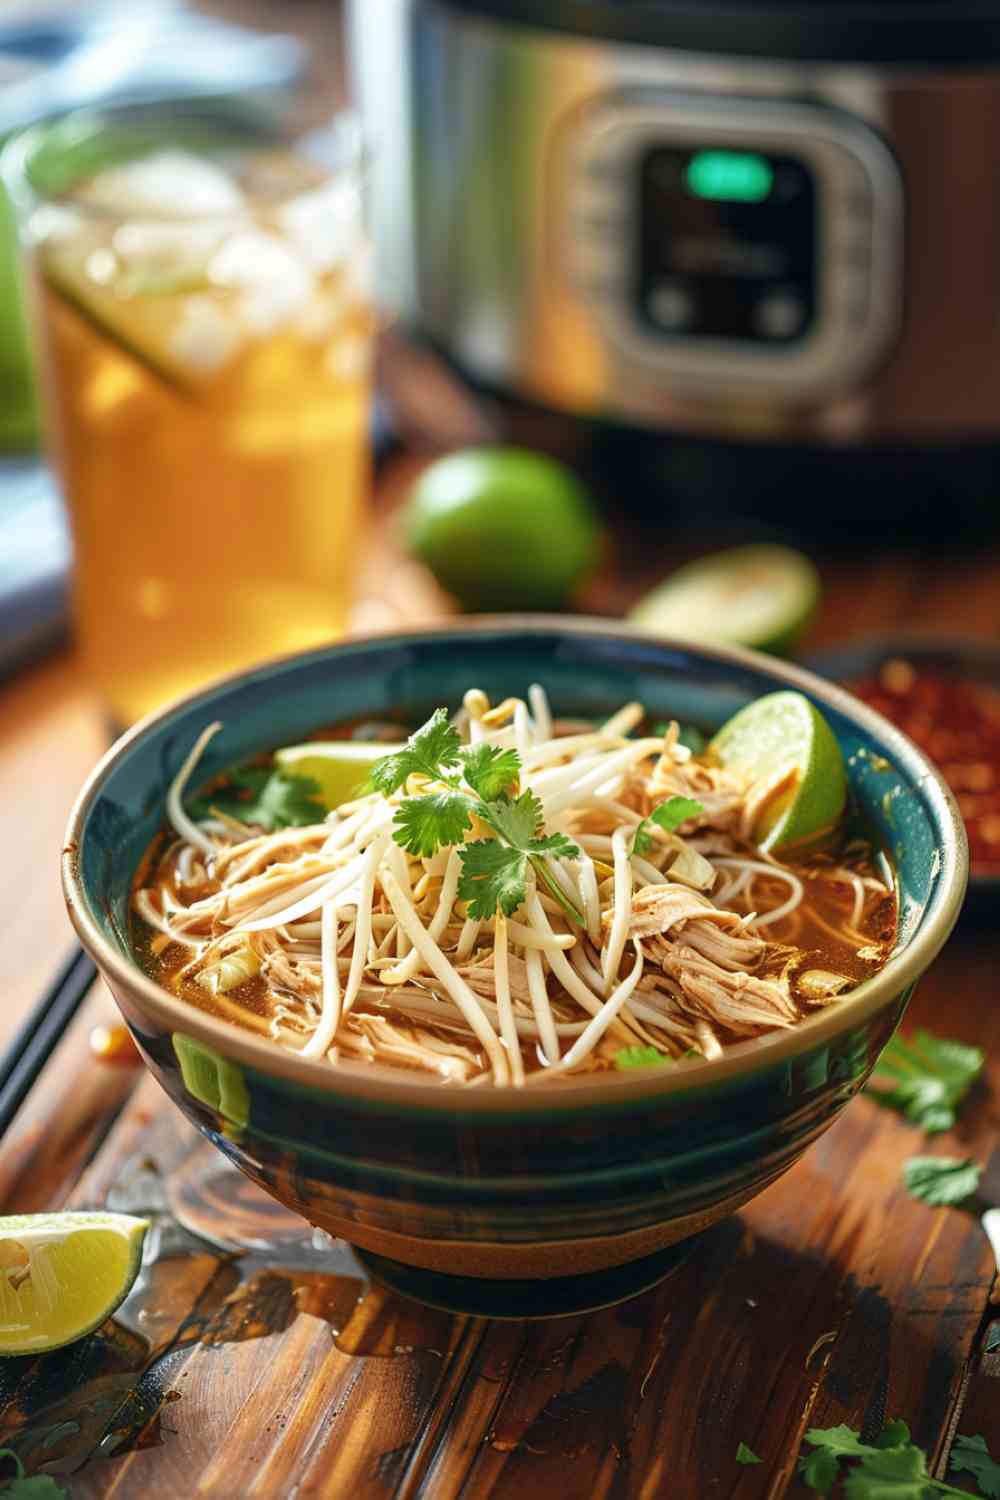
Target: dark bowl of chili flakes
(944, 693)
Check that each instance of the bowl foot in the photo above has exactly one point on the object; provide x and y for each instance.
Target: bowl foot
(512, 1301)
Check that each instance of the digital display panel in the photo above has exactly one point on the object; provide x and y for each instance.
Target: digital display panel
(727, 244)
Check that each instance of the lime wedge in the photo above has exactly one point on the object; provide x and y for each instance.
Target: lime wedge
(340, 767)
(762, 596)
(63, 1275)
(784, 730)
(177, 337)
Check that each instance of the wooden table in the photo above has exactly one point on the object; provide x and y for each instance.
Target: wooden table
(832, 1298)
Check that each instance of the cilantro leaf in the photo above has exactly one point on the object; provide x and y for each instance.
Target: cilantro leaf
(640, 1057)
(669, 816)
(493, 875)
(819, 1470)
(424, 824)
(941, 1179)
(518, 820)
(745, 1455)
(889, 1474)
(842, 1441)
(894, 1434)
(430, 751)
(267, 798)
(489, 770)
(559, 845)
(30, 1487)
(972, 1455)
(925, 1078)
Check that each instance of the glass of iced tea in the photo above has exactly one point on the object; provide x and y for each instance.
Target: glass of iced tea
(200, 294)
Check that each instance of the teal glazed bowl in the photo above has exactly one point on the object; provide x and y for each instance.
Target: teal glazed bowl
(496, 1183)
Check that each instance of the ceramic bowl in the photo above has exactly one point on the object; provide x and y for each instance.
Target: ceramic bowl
(496, 1183)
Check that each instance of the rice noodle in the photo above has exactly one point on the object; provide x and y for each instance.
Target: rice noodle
(182, 825)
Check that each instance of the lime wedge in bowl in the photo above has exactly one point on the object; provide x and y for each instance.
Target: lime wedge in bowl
(62, 1275)
(781, 733)
(339, 767)
(762, 596)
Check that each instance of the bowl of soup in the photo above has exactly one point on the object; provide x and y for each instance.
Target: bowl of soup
(546, 981)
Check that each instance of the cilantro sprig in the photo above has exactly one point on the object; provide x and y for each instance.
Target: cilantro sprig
(925, 1078)
(669, 816)
(891, 1468)
(267, 798)
(939, 1180)
(467, 783)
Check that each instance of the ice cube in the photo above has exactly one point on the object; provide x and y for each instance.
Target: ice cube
(168, 184)
(275, 284)
(204, 337)
(157, 257)
(54, 223)
(325, 225)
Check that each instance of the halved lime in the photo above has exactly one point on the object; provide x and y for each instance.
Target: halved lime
(339, 767)
(761, 596)
(784, 730)
(62, 1275)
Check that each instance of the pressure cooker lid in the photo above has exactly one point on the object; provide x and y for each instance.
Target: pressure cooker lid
(932, 33)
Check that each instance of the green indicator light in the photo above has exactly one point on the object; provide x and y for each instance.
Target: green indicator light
(729, 176)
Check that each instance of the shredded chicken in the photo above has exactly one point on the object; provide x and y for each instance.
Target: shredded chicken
(359, 952)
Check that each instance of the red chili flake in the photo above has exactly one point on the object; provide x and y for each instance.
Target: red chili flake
(956, 721)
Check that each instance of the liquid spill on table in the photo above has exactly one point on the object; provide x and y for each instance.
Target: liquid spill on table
(110, 1393)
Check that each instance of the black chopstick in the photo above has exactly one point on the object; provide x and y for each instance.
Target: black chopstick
(40, 1033)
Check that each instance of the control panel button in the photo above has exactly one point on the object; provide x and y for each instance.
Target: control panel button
(671, 306)
(779, 315)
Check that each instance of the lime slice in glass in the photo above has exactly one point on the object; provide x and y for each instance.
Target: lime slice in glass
(784, 731)
(339, 767)
(167, 318)
(62, 1275)
(762, 596)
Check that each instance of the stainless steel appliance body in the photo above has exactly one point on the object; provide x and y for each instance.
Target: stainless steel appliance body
(796, 252)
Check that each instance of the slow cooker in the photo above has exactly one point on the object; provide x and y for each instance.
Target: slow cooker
(752, 244)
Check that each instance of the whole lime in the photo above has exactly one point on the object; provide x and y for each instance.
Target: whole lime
(503, 528)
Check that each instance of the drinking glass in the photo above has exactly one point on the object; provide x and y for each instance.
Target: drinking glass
(200, 295)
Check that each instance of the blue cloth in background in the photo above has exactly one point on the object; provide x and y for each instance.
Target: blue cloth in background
(34, 561)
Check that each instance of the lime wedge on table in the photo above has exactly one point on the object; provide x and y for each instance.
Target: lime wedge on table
(762, 596)
(62, 1275)
(785, 730)
(339, 767)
